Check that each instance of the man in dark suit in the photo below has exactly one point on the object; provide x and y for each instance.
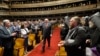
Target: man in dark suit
(0, 39)
(74, 42)
(64, 31)
(35, 29)
(94, 34)
(6, 34)
(46, 33)
(16, 29)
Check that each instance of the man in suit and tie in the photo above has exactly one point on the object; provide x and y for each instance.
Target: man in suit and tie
(7, 34)
(46, 33)
(74, 42)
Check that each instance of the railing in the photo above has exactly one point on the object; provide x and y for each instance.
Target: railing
(48, 12)
(4, 6)
(44, 4)
(66, 10)
(4, 13)
(32, 1)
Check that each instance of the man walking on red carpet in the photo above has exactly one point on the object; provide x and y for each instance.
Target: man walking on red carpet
(46, 33)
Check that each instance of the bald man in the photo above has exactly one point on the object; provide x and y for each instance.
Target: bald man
(46, 33)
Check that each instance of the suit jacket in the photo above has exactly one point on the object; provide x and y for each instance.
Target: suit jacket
(76, 48)
(46, 30)
(6, 37)
(15, 28)
(35, 28)
(64, 31)
(0, 38)
(79, 38)
(95, 37)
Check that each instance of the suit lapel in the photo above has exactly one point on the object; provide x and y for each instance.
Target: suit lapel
(5, 30)
(73, 33)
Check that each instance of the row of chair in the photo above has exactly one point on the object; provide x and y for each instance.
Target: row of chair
(19, 44)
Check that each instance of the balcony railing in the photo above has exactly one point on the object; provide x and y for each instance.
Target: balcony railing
(30, 1)
(4, 6)
(4, 13)
(66, 10)
(44, 4)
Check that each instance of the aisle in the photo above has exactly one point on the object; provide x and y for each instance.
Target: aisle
(48, 52)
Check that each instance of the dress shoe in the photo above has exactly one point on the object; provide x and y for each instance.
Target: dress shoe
(43, 51)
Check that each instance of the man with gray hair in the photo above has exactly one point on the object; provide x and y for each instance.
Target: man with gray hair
(74, 42)
(46, 33)
(6, 35)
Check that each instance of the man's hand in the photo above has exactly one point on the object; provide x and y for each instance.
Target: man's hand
(13, 34)
(51, 35)
(61, 43)
(88, 41)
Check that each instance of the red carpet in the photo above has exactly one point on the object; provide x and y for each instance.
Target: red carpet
(54, 45)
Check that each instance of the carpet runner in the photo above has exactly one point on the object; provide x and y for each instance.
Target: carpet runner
(48, 51)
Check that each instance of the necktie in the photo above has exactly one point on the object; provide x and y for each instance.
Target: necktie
(67, 36)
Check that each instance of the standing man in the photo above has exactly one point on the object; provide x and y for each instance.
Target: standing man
(74, 42)
(36, 28)
(7, 34)
(16, 29)
(46, 33)
(94, 33)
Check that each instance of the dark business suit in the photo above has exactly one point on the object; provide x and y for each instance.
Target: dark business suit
(94, 34)
(77, 48)
(17, 30)
(0, 38)
(64, 31)
(7, 40)
(35, 29)
(46, 34)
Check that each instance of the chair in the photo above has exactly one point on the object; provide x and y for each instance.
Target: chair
(61, 52)
(1, 51)
(40, 35)
(31, 39)
(19, 47)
